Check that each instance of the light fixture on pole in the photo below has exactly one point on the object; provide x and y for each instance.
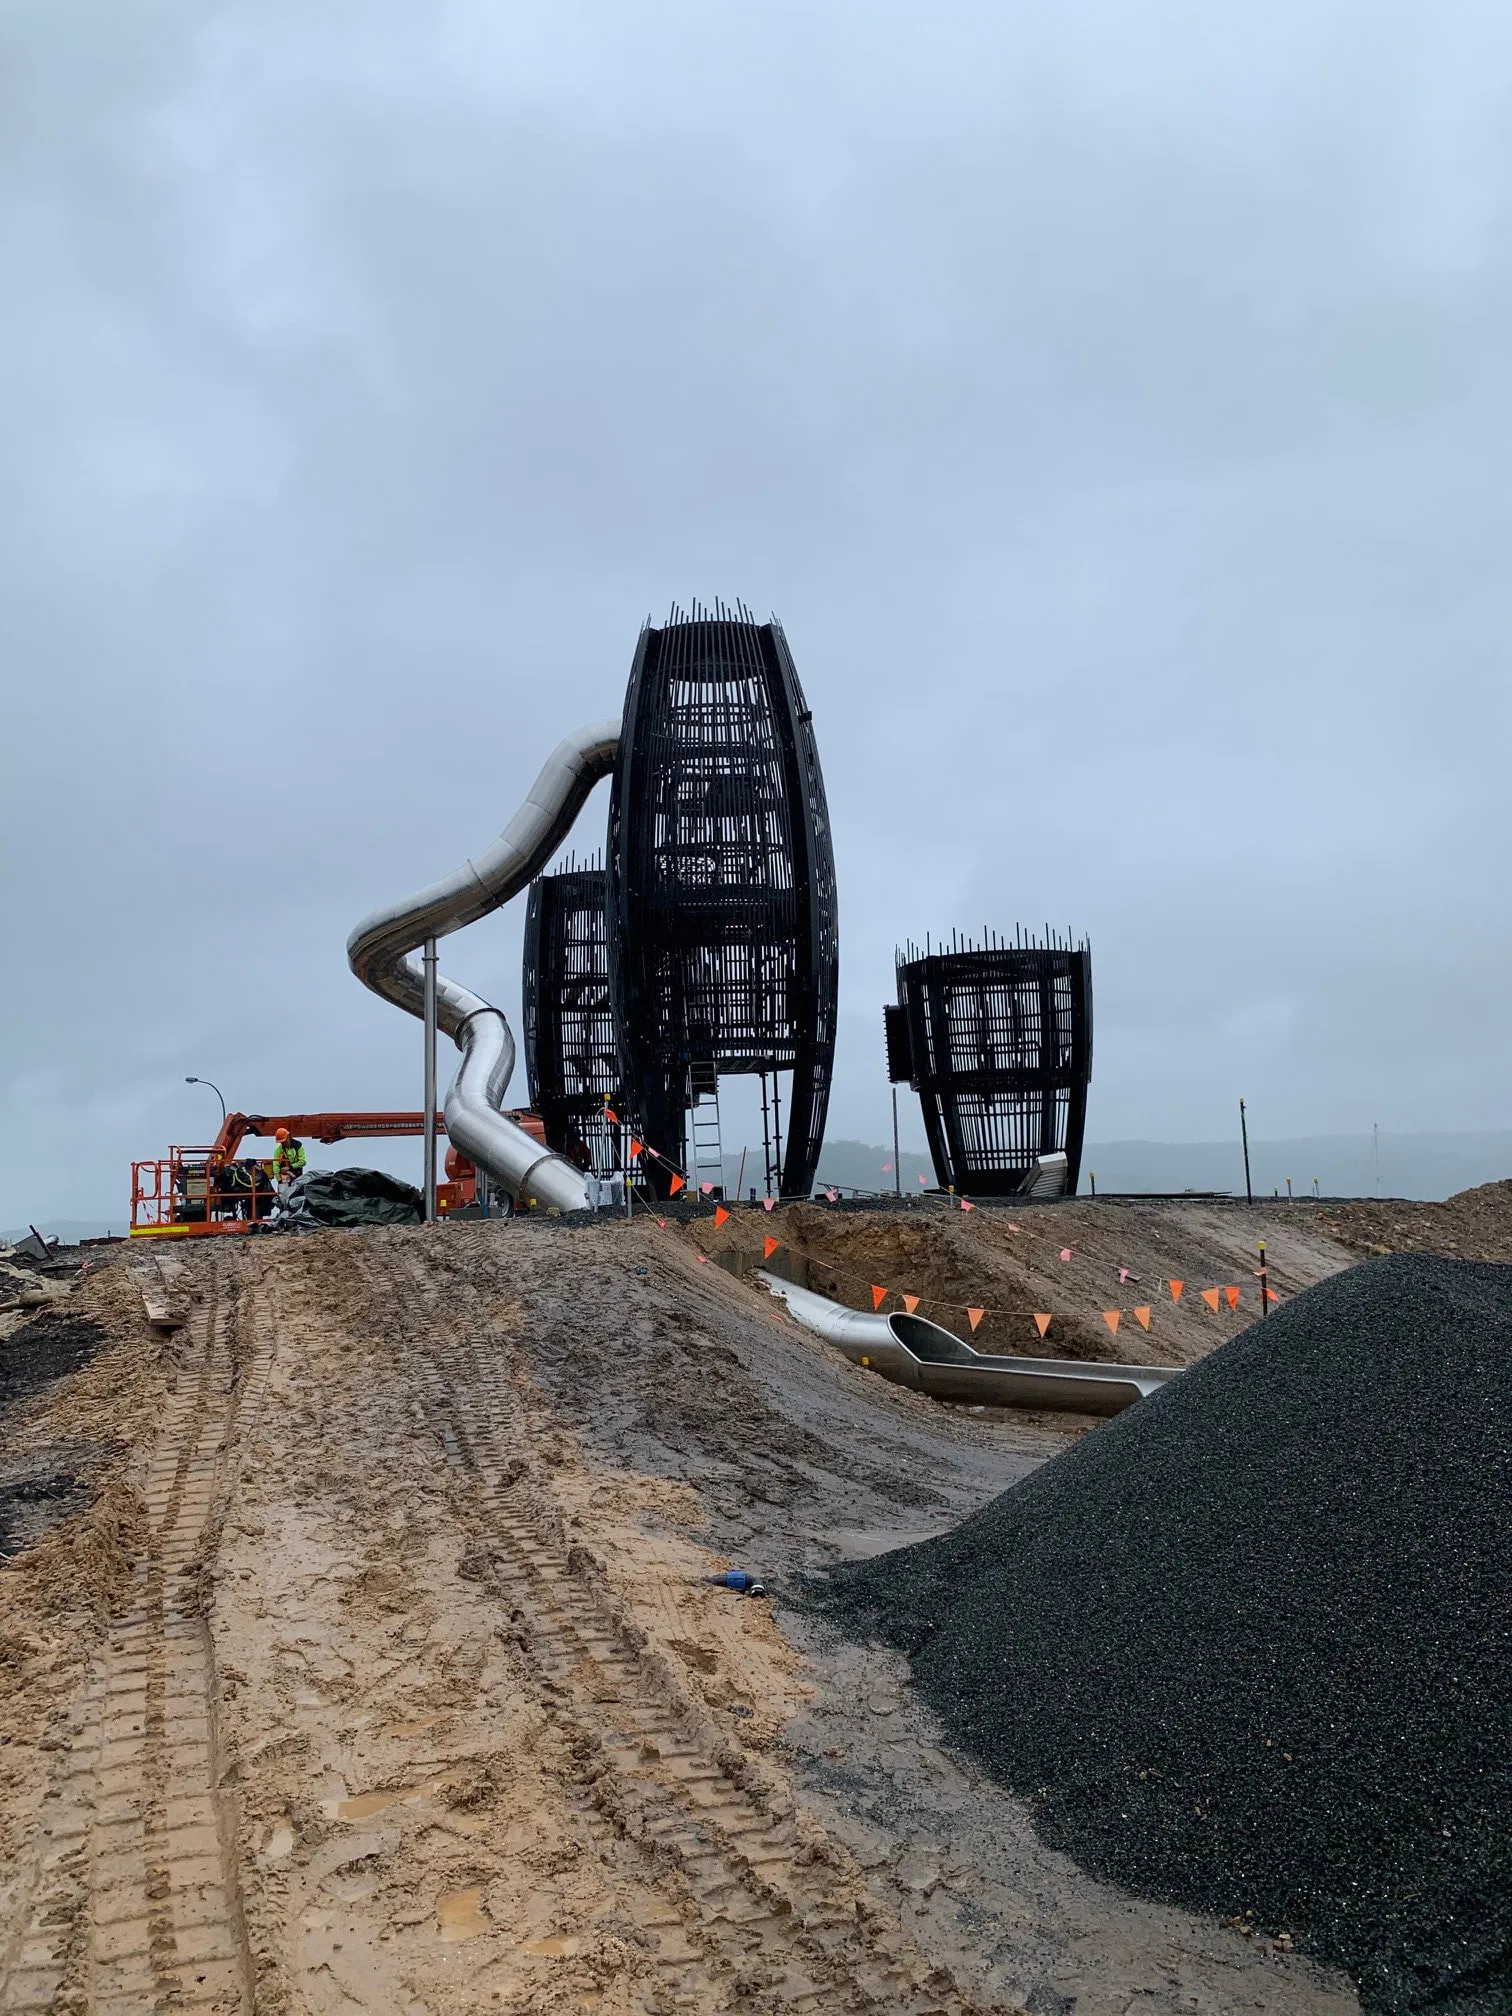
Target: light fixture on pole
(215, 1089)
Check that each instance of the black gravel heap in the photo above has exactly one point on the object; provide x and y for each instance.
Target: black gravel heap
(1248, 1648)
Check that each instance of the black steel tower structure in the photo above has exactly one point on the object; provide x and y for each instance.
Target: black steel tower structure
(571, 1053)
(996, 1039)
(723, 936)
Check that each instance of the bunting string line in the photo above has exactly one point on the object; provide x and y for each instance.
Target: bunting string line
(1216, 1299)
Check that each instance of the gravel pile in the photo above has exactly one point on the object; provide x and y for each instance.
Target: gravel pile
(1248, 1648)
(48, 1348)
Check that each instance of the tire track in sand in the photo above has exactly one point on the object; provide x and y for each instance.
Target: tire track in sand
(763, 1904)
(136, 1902)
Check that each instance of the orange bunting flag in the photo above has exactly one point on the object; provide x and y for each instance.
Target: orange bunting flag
(1142, 1316)
(1232, 1297)
(967, 1205)
(887, 1168)
(675, 1185)
(1013, 1228)
(720, 1215)
(1110, 1317)
(1041, 1323)
(610, 1114)
(703, 1259)
(910, 1303)
(663, 1223)
(1175, 1288)
(769, 1203)
(635, 1146)
(1065, 1252)
(1210, 1296)
(1272, 1295)
(770, 1247)
(879, 1296)
(922, 1177)
(973, 1317)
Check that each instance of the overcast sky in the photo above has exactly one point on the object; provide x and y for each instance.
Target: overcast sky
(1112, 401)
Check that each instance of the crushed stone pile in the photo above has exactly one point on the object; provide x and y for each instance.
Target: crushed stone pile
(1249, 1648)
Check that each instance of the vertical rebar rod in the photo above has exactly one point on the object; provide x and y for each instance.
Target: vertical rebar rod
(1249, 1195)
(430, 1081)
(897, 1165)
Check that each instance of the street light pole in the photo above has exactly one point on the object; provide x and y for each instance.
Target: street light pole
(216, 1090)
(430, 1080)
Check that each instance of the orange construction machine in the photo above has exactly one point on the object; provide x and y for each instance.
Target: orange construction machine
(194, 1191)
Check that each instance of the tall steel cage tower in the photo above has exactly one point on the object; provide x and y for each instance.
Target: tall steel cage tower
(996, 1039)
(571, 1054)
(723, 935)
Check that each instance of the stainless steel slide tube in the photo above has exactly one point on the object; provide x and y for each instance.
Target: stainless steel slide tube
(913, 1352)
(379, 950)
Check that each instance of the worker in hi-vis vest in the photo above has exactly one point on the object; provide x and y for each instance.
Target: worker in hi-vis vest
(288, 1160)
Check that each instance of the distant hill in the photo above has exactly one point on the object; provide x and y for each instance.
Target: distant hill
(69, 1230)
(856, 1164)
(1345, 1165)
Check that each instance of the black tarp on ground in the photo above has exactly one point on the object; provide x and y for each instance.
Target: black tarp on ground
(1248, 1648)
(325, 1197)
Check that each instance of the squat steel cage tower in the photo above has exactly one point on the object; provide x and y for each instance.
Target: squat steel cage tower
(996, 1039)
(723, 936)
(571, 1054)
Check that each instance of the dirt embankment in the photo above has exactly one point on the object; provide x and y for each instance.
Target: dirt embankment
(1075, 1263)
(1475, 1225)
(412, 1698)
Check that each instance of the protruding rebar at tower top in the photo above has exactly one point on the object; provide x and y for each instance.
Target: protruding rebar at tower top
(723, 934)
(996, 1039)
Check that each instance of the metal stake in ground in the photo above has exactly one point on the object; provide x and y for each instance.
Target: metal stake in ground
(1264, 1286)
(1249, 1195)
(430, 1081)
(897, 1167)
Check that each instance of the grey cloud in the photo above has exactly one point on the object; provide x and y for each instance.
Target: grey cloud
(1113, 405)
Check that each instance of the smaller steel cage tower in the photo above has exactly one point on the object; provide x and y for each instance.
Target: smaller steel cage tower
(571, 1051)
(996, 1039)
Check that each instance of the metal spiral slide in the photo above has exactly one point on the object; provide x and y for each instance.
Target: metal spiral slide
(379, 950)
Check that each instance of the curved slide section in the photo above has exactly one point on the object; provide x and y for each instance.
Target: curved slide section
(379, 953)
(913, 1352)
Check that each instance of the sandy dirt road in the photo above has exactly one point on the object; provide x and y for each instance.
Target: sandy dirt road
(378, 1674)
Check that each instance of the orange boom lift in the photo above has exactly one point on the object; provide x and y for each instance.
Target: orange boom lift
(192, 1192)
